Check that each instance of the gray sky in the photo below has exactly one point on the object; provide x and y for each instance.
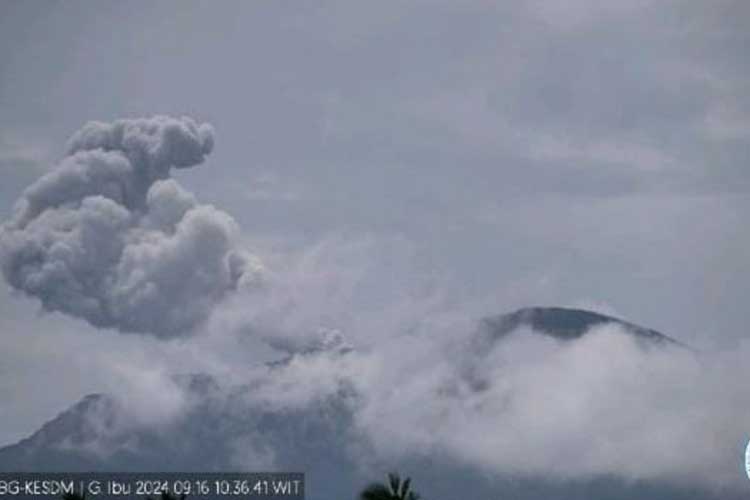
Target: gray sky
(561, 152)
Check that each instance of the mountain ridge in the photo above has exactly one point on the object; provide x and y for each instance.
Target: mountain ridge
(318, 439)
(563, 323)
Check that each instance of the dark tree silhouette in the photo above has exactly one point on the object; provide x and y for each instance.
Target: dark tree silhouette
(74, 496)
(395, 489)
(165, 495)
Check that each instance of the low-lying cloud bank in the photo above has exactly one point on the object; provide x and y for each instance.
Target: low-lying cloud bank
(533, 406)
(107, 236)
(601, 405)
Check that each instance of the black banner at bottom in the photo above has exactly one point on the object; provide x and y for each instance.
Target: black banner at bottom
(157, 486)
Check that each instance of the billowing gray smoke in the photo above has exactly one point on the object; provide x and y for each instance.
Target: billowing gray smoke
(109, 237)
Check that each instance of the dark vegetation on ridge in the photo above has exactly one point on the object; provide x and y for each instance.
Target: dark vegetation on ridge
(562, 323)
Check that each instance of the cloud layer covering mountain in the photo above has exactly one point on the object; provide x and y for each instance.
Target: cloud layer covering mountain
(604, 409)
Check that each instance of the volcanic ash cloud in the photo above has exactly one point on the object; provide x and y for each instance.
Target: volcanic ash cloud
(109, 237)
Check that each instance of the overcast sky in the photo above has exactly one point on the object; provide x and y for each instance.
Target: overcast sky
(506, 153)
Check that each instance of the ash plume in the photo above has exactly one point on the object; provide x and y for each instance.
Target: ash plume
(107, 236)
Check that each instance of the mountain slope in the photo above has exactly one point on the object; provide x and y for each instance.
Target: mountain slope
(220, 429)
(563, 324)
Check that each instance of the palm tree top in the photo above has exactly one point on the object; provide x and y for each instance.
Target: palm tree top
(395, 489)
(74, 496)
(165, 495)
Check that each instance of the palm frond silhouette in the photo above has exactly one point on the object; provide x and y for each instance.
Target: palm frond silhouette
(74, 496)
(165, 495)
(394, 489)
